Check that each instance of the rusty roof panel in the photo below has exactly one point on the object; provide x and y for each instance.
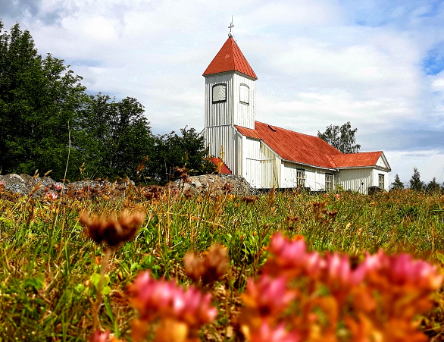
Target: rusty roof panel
(230, 58)
(307, 149)
(224, 168)
(356, 159)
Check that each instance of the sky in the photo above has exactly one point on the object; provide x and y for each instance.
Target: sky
(376, 63)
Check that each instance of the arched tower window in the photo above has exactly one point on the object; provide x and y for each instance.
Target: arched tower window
(244, 94)
(219, 93)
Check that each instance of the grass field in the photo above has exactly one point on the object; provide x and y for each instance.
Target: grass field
(50, 269)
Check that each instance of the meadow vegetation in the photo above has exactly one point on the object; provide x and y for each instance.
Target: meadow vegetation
(60, 282)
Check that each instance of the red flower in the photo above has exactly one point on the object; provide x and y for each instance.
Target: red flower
(163, 298)
(268, 295)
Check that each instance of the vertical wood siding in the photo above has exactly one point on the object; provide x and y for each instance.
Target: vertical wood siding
(220, 118)
(314, 178)
(252, 157)
(243, 114)
(375, 176)
(353, 179)
(218, 114)
(262, 165)
(222, 137)
(270, 168)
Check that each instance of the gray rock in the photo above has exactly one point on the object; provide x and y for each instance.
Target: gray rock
(216, 185)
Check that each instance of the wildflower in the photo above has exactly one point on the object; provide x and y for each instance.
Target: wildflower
(268, 296)
(51, 195)
(339, 270)
(112, 230)
(337, 196)
(265, 333)
(292, 257)
(182, 174)
(99, 336)
(170, 330)
(403, 270)
(209, 268)
(160, 298)
(249, 199)
(227, 188)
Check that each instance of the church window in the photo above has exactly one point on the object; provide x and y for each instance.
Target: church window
(244, 94)
(328, 182)
(300, 178)
(381, 181)
(219, 93)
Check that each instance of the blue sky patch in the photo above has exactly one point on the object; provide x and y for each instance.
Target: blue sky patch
(434, 61)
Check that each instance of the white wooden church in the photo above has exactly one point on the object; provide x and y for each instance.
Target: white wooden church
(269, 156)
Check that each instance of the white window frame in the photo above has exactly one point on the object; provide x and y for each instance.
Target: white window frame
(300, 178)
(219, 96)
(328, 182)
(244, 94)
(381, 181)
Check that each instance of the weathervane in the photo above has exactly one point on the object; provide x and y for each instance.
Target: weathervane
(230, 27)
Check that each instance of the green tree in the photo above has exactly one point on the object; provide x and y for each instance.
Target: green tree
(341, 138)
(113, 137)
(39, 99)
(433, 186)
(185, 150)
(415, 181)
(397, 184)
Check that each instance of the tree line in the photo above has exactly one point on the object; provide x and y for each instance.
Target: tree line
(49, 122)
(415, 183)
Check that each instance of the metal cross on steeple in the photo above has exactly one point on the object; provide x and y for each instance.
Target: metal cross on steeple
(230, 27)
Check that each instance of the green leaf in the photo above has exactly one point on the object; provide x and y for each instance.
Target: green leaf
(36, 282)
(440, 257)
(106, 290)
(95, 278)
(79, 288)
(134, 267)
(108, 308)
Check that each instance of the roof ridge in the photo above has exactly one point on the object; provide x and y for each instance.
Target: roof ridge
(289, 130)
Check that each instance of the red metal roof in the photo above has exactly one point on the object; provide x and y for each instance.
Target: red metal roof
(224, 168)
(306, 149)
(230, 58)
(356, 159)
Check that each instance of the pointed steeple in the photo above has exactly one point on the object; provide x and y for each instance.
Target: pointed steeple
(230, 58)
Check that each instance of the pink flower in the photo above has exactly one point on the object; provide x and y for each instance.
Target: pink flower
(402, 269)
(338, 269)
(99, 336)
(268, 295)
(2, 183)
(163, 298)
(58, 186)
(51, 195)
(337, 196)
(265, 333)
(293, 256)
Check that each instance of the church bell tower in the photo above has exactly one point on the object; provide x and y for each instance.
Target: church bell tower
(229, 101)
